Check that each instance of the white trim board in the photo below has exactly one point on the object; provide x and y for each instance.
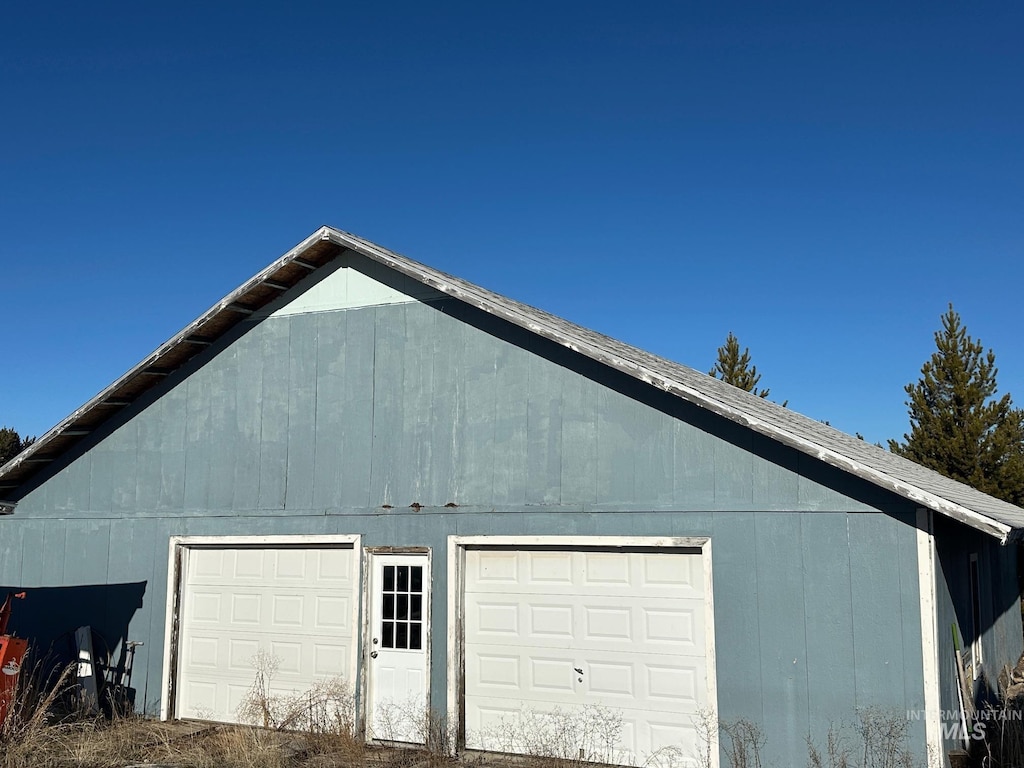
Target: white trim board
(929, 634)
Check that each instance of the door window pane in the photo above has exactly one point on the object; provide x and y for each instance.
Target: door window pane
(402, 607)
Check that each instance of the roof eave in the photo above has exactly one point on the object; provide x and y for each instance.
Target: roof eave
(150, 365)
(984, 523)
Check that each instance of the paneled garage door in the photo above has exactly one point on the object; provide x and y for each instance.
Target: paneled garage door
(607, 645)
(292, 605)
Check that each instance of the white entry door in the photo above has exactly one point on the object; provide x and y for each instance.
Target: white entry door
(399, 618)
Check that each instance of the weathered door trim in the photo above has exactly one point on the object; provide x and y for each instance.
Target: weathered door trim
(178, 549)
(457, 546)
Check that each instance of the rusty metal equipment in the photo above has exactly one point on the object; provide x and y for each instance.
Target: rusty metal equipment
(12, 653)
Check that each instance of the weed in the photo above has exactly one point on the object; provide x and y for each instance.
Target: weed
(884, 738)
(837, 751)
(743, 743)
(586, 734)
(326, 709)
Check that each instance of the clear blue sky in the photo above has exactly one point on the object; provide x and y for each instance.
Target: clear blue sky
(820, 180)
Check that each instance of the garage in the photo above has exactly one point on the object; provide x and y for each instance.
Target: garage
(611, 644)
(281, 606)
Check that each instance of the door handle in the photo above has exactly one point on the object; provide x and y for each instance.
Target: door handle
(373, 654)
(578, 670)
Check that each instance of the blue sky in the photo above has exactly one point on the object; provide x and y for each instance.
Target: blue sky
(820, 180)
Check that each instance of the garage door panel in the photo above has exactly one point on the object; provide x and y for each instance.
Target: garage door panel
(231, 612)
(592, 634)
(612, 573)
(662, 625)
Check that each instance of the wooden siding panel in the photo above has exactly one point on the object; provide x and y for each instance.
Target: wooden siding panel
(248, 411)
(32, 551)
(737, 617)
(653, 458)
(198, 441)
(828, 604)
(79, 484)
(12, 542)
(694, 466)
(544, 433)
(875, 556)
(476, 420)
(415, 446)
(357, 409)
(329, 431)
(614, 435)
(776, 484)
(446, 452)
(87, 549)
(579, 440)
(734, 484)
(510, 410)
(58, 492)
(53, 555)
(225, 449)
(102, 474)
(125, 453)
(782, 621)
(386, 478)
(161, 483)
(302, 376)
(274, 424)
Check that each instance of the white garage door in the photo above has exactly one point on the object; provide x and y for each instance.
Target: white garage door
(292, 605)
(591, 652)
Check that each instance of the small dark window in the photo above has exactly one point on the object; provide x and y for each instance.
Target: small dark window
(402, 607)
(975, 599)
(977, 625)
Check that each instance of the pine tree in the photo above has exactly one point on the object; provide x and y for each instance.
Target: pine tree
(734, 368)
(11, 444)
(957, 425)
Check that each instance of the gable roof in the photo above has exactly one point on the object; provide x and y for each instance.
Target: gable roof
(857, 457)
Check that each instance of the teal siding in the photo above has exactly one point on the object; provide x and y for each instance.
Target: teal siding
(319, 423)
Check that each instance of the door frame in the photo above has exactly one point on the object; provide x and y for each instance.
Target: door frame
(457, 547)
(369, 559)
(178, 550)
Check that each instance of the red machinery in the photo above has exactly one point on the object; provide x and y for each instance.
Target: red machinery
(12, 652)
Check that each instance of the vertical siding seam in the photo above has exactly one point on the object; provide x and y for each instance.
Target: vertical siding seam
(315, 405)
(803, 600)
(900, 581)
(287, 418)
(373, 404)
(184, 449)
(757, 615)
(853, 618)
(259, 442)
(494, 419)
